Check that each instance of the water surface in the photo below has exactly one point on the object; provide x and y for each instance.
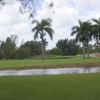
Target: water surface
(49, 71)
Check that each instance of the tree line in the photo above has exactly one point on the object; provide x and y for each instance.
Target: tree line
(64, 47)
(9, 49)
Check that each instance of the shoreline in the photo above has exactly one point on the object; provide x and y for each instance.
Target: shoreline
(55, 66)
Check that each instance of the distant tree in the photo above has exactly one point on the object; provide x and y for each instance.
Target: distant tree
(34, 47)
(73, 47)
(68, 47)
(41, 29)
(62, 45)
(55, 51)
(8, 47)
(22, 53)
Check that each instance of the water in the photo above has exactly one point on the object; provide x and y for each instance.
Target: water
(49, 71)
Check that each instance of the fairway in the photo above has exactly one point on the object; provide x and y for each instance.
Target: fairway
(47, 63)
(54, 87)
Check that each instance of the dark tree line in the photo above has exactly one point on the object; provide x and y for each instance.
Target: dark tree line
(9, 50)
(65, 47)
(7, 47)
(68, 47)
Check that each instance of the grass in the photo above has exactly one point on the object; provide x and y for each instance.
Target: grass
(54, 87)
(47, 63)
(51, 57)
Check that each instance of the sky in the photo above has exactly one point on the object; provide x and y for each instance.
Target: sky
(65, 14)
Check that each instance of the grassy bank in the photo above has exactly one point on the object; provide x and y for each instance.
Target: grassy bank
(48, 63)
(60, 87)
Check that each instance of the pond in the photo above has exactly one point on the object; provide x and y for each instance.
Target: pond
(49, 71)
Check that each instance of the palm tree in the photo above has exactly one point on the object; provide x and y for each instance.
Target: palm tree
(83, 35)
(96, 29)
(41, 29)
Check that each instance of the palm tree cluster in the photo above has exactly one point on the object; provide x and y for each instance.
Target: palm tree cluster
(85, 32)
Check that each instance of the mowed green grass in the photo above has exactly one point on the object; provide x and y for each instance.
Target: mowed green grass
(47, 63)
(54, 87)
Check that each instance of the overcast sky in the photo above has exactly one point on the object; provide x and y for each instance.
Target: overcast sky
(64, 14)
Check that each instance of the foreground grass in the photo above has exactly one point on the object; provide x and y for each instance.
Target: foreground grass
(47, 63)
(58, 87)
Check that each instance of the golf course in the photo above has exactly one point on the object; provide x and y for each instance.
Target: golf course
(54, 62)
(51, 87)
(49, 49)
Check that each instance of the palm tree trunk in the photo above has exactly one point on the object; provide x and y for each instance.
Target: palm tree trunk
(97, 42)
(42, 46)
(88, 53)
(83, 50)
(43, 54)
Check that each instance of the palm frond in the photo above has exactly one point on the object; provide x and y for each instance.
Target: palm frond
(46, 22)
(50, 31)
(95, 20)
(80, 22)
(36, 34)
(35, 22)
(75, 27)
(34, 29)
(73, 33)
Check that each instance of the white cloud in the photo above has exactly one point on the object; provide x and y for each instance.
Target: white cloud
(13, 22)
(85, 7)
(65, 14)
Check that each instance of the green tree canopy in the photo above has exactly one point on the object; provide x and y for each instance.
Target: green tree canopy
(68, 47)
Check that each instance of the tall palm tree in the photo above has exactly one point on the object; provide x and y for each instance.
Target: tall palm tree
(83, 35)
(96, 33)
(41, 29)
